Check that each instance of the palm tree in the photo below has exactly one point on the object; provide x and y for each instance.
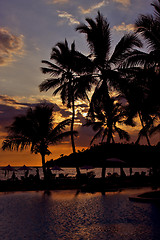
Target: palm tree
(37, 131)
(136, 93)
(98, 35)
(146, 66)
(105, 118)
(68, 78)
(148, 26)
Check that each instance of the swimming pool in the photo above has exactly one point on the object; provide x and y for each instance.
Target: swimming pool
(72, 215)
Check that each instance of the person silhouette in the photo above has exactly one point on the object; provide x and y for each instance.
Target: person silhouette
(13, 176)
(37, 173)
(130, 171)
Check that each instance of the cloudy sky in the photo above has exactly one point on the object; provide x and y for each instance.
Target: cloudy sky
(28, 31)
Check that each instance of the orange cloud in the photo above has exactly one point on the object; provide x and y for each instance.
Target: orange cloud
(58, 1)
(124, 27)
(93, 7)
(10, 45)
(125, 3)
(69, 17)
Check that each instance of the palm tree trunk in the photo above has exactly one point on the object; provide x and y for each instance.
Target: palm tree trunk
(103, 172)
(113, 141)
(43, 165)
(142, 123)
(72, 125)
(72, 136)
(109, 137)
(106, 99)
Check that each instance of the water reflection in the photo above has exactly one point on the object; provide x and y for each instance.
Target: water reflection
(68, 215)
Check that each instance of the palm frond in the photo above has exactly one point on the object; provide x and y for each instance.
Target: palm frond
(52, 65)
(105, 133)
(122, 133)
(141, 134)
(154, 130)
(149, 28)
(61, 126)
(156, 5)
(59, 137)
(98, 37)
(48, 84)
(82, 28)
(58, 89)
(97, 135)
(83, 84)
(15, 143)
(136, 59)
(125, 47)
(52, 69)
(95, 125)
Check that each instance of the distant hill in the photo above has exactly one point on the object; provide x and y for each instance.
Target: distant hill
(134, 156)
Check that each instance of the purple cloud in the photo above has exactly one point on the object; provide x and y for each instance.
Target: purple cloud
(9, 45)
(10, 108)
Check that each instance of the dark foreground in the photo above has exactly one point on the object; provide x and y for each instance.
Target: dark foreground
(73, 215)
(83, 184)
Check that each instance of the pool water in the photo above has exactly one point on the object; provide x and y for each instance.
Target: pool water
(72, 215)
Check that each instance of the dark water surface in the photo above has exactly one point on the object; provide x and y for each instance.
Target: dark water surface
(67, 215)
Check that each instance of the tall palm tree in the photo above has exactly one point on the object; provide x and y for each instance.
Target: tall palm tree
(104, 119)
(98, 35)
(68, 78)
(37, 131)
(146, 65)
(136, 93)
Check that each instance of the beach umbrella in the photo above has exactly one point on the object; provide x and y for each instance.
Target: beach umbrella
(56, 168)
(114, 160)
(25, 168)
(87, 167)
(8, 168)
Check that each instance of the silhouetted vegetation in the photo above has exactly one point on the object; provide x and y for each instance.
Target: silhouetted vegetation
(67, 77)
(134, 155)
(127, 82)
(124, 85)
(105, 119)
(143, 70)
(37, 131)
(98, 35)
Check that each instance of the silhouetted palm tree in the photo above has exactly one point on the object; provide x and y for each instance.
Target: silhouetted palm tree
(136, 92)
(68, 78)
(145, 67)
(104, 120)
(98, 35)
(149, 28)
(37, 131)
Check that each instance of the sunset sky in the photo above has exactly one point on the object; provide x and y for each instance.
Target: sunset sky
(28, 31)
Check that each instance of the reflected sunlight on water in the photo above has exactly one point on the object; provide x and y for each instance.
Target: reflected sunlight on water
(73, 215)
